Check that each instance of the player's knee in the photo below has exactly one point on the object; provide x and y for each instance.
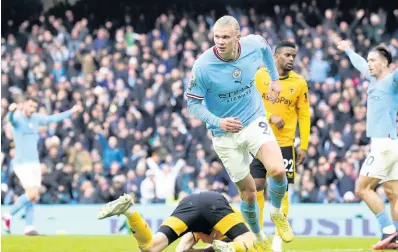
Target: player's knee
(31, 194)
(158, 243)
(360, 191)
(260, 184)
(392, 195)
(260, 188)
(277, 172)
(249, 196)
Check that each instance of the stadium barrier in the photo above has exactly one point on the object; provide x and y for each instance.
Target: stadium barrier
(306, 219)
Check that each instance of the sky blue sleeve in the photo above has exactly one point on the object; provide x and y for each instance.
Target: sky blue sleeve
(396, 76)
(359, 63)
(196, 93)
(268, 57)
(54, 118)
(15, 117)
(197, 109)
(197, 87)
(12, 119)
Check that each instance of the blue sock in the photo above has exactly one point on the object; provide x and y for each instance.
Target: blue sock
(251, 212)
(29, 215)
(384, 219)
(395, 224)
(276, 191)
(19, 204)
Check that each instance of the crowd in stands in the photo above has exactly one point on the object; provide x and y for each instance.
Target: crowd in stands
(135, 135)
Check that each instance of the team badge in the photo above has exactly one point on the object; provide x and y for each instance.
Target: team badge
(236, 73)
(192, 81)
(193, 77)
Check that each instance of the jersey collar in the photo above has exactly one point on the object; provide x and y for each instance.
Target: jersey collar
(285, 76)
(220, 58)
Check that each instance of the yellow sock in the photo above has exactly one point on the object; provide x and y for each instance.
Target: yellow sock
(241, 246)
(261, 202)
(140, 229)
(285, 203)
(285, 207)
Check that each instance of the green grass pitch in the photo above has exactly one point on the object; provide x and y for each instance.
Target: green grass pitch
(128, 244)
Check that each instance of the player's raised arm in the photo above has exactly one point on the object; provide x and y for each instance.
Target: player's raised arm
(44, 119)
(303, 107)
(357, 61)
(274, 87)
(268, 57)
(12, 118)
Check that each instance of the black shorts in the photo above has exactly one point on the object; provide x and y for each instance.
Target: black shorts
(203, 212)
(257, 169)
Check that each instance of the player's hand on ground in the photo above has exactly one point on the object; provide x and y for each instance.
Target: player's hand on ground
(13, 107)
(77, 108)
(231, 124)
(277, 121)
(343, 45)
(302, 154)
(274, 90)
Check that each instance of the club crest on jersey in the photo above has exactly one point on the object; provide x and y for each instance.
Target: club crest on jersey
(236, 73)
(192, 81)
(193, 77)
(291, 90)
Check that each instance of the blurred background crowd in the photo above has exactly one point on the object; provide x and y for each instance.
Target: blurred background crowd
(129, 66)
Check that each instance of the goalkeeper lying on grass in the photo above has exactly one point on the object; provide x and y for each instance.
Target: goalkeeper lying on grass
(206, 216)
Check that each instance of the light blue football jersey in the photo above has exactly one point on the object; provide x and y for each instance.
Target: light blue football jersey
(227, 87)
(382, 108)
(382, 103)
(26, 136)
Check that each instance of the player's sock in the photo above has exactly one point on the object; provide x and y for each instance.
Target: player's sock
(251, 212)
(285, 203)
(276, 191)
(285, 208)
(241, 246)
(385, 222)
(29, 215)
(19, 204)
(261, 203)
(139, 227)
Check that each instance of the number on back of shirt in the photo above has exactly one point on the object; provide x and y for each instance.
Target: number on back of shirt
(288, 165)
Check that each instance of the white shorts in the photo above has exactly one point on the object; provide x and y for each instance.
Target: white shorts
(382, 161)
(236, 150)
(29, 175)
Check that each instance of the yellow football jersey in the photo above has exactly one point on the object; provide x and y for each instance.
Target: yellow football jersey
(292, 105)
